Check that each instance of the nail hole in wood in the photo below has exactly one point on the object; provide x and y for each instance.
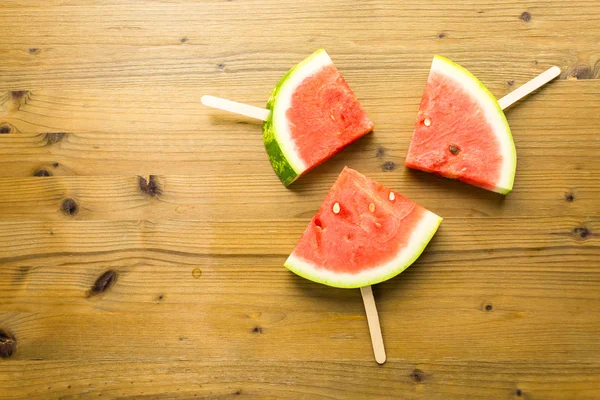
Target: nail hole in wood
(569, 197)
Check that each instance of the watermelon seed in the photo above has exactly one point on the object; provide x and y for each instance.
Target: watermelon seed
(392, 196)
(427, 122)
(336, 208)
(372, 207)
(377, 224)
(453, 149)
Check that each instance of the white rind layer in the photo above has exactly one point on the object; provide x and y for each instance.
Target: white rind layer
(310, 66)
(493, 114)
(371, 275)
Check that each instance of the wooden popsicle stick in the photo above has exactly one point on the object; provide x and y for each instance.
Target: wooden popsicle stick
(529, 87)
(373, 321)
(235, 107)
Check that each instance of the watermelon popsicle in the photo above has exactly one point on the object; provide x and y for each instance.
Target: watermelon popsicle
(363, 234)
(461, 131)
(311, 115)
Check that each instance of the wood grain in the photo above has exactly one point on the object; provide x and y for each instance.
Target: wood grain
(142, 236)
(287, 379)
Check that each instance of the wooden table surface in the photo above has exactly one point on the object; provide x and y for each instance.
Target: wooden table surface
(142, 235)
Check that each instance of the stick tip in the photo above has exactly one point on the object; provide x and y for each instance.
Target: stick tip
(380, 358)
(204, 99)
(555, 70)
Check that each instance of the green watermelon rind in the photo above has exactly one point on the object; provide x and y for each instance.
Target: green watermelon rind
(511, 166)
(280, 162)
(374, 275)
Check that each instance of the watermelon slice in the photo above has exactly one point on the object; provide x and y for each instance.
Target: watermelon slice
(314, 114)
(461, 131)
(363, 234)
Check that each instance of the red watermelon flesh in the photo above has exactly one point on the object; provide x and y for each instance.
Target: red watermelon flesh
(363, 233)
(325, 116)
(314, 114)
(461, 132)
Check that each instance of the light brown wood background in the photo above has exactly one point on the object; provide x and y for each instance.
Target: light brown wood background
(503, 304)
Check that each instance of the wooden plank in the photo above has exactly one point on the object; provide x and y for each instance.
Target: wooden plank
(231, 197)
(100, 37)
(209, 378)
(66, 136)
(244, 332)
(525, 240)
(179, 120)
(55, 284)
